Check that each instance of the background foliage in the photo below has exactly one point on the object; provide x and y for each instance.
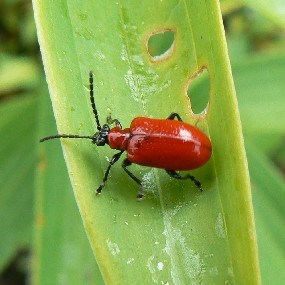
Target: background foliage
(256, 40)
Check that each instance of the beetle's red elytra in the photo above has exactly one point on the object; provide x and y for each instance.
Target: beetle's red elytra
(169, 144)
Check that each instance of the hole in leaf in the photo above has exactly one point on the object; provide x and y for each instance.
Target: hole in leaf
(160, 44)
(199, 90)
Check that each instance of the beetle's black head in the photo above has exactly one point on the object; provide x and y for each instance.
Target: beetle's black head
(101, 137)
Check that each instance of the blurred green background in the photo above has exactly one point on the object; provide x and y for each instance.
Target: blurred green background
(255, 32)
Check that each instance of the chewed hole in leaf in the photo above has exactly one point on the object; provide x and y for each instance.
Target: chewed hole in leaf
(160, 44)
(198, 90)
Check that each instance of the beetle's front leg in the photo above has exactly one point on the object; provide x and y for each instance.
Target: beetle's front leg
(111, 121)
(176, 175)
(112, 161)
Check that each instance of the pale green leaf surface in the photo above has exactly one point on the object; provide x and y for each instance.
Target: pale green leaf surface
(269, 200)
(62, 254)
(175, 235)
(17, 128)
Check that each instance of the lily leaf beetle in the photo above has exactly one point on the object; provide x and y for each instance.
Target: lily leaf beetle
(170, 144)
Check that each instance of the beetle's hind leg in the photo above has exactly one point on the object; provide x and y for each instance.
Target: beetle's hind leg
(127, 163)
(172, 116)
(176, 175)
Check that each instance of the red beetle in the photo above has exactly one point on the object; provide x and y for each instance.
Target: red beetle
(163, 143)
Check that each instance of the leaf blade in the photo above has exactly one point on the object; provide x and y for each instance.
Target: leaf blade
(141, 86)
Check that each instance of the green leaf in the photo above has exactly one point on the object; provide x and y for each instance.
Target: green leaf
(61, 250)
(260, 89)
(25, 77)
(259, 84)
(268, 196)
(17, 128)
(274, 9)
(176, 234)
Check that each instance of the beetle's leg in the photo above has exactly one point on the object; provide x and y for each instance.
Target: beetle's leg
(176, 175)
(114, 159)
(172, 116)
(125, 164)
(111, 121)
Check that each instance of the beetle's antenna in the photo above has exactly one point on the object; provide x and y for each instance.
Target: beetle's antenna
(93, 101)
(66, 136)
